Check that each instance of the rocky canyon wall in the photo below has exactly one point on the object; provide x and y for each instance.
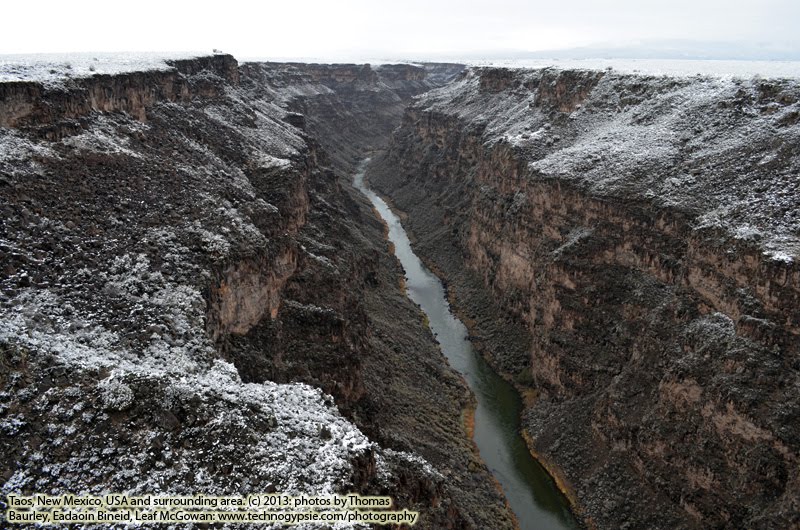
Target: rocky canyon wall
(195, 300)
(624, 247)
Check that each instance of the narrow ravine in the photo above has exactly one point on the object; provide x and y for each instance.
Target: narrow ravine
(531, 492)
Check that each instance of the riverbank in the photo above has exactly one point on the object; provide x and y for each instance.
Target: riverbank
(531, 492)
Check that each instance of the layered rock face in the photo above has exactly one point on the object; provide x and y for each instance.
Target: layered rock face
(372, 100)
(194, 300)
(625, 248)
(34, 104)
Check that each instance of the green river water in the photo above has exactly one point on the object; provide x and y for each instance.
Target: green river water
(531, 492)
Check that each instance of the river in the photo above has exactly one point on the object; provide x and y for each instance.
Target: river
(531, 492)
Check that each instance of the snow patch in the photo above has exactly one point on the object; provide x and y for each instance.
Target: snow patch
(54, 69)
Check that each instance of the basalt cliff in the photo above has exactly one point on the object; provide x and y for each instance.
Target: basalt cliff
(625, 249)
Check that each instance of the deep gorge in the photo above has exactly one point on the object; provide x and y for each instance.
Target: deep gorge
(631, 274)
(183, 250)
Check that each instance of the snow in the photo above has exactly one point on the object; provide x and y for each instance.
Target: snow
(125, 337)
(104, 137)
(121, 326)
(18, 155)
(779, 255)
(292, 451)
(53, 69)
(182, 368)
(671, 67)
(15, 147)
(115, 395)
(714, 146)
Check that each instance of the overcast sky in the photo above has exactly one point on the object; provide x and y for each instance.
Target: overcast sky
(372, 28)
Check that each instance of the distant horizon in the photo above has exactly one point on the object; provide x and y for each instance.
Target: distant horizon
(421, 29)
(679, 50)
(54, 68)
(656, 49)
(674, 49)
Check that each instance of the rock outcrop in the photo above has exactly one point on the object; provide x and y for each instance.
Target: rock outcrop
(625, 248)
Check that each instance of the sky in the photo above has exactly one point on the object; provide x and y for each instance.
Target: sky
(400, 29)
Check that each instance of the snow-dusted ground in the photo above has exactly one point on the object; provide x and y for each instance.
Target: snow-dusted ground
(682, 67)
(673, 67)
(147, 404)
(723, 148)
(54, 68)
(676, 67)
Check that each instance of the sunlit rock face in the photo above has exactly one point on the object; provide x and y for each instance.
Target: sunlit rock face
(626, 247)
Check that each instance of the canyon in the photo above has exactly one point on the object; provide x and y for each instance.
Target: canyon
(194, 300)
(194, 297)
(624, 249)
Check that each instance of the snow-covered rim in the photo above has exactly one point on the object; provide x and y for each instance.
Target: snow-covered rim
(56, 68)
